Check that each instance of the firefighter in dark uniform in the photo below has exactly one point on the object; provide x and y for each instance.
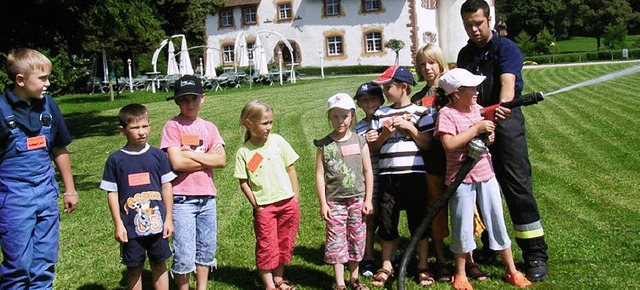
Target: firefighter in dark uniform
(500, 60)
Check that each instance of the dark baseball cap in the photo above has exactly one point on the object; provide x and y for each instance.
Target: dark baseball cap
(396, 73)
(371, 89)
(187, 85)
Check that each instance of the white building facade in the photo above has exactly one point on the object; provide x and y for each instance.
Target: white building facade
(337, 32)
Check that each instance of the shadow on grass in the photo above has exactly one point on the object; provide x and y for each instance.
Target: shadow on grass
(245, 278)
(311, 255)
(90, 124)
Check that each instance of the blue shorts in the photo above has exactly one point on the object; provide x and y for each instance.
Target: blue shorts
(132, 253)
(196, 229)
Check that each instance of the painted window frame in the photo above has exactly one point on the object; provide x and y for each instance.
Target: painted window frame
(336, 43)
(373, 41)
(226, 14)
(228, 53)
(366, 3)
(253, 11)
(282, 7)
(328, 4)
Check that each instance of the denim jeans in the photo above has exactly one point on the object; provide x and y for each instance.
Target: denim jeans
(194, 241)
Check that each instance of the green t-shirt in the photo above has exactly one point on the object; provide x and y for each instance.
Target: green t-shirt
(265, 168)
(343, 175)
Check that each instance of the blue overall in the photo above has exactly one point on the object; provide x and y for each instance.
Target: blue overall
(29, 216)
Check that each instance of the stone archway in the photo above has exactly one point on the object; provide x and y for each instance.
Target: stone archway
(286, 54)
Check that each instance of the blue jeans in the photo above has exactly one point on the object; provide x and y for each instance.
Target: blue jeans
(194, 241)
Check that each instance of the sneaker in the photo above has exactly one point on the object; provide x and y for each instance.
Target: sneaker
(517, 280)
(366, 268)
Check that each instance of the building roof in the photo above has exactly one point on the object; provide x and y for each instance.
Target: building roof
(232, 3)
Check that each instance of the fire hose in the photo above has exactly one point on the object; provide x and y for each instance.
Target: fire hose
(474, 150)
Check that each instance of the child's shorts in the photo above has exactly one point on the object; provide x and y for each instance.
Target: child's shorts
(401, 192)
(346, 231)
(133, 252)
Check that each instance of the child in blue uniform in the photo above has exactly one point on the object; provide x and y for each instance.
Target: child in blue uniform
(32, 134)
(137, 179)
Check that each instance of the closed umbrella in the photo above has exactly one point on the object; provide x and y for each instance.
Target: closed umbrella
(209, 67)
(172, 65)
(241, 53)
(185, 60)
(260, 58)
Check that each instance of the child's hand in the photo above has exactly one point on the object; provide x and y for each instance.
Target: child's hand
(70, 202)
(120, 234)
(372, 136)
(367, 209)
(485, 126)
(168, 229)
(325, 212)
(404, 124)
(388, 126)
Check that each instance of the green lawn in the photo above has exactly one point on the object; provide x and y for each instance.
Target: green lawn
(587, 44)
(584, 149)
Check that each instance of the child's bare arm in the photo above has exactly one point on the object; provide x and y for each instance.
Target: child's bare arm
(214, 158)
(246, 189)
(167, 199)
(367, 170)
(181, 161)
(293, 177)
(63, 162)
(120, 232)
(453, 143)
(325, 213)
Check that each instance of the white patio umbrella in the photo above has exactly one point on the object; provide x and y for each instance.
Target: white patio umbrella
(185, 60)
(241, 52)
(172, 65)
(209, 67)
(260, 58)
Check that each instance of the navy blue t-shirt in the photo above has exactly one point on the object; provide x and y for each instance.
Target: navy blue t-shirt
(138, 179)
(478, 59)
(27, 118)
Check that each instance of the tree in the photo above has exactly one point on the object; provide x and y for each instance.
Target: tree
(534, 16)
(590, 17)
(396, 45)
(187, 17)
(526, 44)
(544, 39)
(614, 35)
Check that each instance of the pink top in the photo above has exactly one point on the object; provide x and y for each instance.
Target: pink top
(198, 136)
(453, 122)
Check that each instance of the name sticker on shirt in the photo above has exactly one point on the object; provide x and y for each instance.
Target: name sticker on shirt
(348, 150)
(191, 140)
(139, 179)
(254, 162)
(36, 142)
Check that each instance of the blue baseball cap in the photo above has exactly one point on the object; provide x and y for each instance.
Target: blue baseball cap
(396, 73)
(371, 89)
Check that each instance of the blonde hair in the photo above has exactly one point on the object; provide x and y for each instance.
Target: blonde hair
(24, 61)
(253, 110)
(430, 52)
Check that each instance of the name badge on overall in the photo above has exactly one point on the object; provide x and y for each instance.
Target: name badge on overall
(36, 142)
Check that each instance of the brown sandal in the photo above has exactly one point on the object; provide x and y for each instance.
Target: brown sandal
(356, 284)
(379, 280)
(425, 278)
(288, 285)
(474, 272)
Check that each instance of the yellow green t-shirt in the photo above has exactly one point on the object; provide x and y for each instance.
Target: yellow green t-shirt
(265, 168)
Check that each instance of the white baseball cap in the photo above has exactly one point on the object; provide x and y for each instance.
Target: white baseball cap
(458, 77)
(342, 101)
